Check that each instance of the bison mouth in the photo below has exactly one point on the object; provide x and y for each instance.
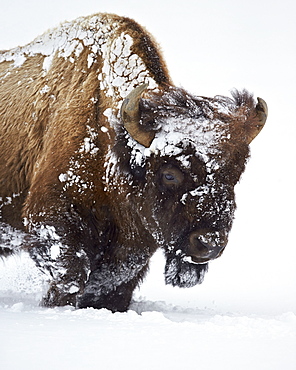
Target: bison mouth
(194, 260)
(187, 264)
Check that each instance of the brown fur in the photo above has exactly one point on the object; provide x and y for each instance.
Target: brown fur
(100, 215)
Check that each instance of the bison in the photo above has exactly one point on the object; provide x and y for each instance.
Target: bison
(103, 160)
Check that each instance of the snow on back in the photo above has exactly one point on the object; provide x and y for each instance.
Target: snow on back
(65, 39)
(122, 69)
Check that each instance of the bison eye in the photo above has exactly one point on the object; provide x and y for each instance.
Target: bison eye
(172, 177)
(169, 177)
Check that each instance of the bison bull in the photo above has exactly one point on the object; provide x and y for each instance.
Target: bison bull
(103, 160)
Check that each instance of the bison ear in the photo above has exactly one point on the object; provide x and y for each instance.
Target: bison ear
(130, 116)
(258, 120)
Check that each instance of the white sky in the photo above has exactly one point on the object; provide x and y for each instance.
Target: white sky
(211, 47)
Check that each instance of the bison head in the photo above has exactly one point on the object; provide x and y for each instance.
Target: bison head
(186, 155)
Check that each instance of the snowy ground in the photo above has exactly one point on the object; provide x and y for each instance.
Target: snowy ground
(243, 315)
(152, 335)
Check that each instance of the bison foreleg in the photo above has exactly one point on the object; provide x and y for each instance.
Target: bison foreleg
(67, 269)
(111, 285)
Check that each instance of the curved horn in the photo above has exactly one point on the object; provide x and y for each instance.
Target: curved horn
(130, 116)
(259, 121)
(262, 110)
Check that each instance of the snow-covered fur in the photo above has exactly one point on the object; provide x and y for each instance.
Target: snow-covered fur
(93, 204)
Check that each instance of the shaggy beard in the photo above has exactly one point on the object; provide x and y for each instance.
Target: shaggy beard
(183, 274)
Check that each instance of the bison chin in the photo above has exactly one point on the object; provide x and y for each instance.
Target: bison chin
(179, 272)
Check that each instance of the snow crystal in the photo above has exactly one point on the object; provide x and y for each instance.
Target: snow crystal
(201, 190)
(55, 251)
(72, 178)
(18, 60)
(45, 89)
(48, 232)
(108, 113)
(47, 63)
(88, 146)
(110, 166)
(63, 177)
(73, 289)
(7, 201)
(90, 60)
(184, 160)
(183, 198)
(10, 237)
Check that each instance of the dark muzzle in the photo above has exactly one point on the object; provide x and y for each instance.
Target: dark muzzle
(204, 246)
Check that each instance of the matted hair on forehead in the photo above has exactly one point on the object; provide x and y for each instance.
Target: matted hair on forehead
(174, 102)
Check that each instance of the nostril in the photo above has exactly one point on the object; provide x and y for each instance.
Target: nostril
(199, 247)
(194, 240)
(196, 245)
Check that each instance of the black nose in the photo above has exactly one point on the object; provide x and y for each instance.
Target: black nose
(204, 246)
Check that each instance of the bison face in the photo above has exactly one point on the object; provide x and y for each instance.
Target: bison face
(189, 163)
(186, 201)
(188, 208)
